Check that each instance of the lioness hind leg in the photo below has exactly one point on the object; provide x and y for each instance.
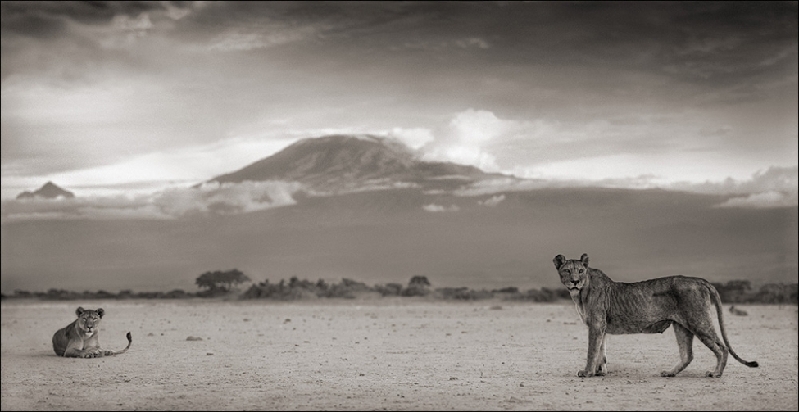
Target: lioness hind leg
(685, 341)
(712, 341)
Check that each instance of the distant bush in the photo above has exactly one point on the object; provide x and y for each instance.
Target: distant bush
(736, 291)
(740, 291)
(389, 289)
(464, 293)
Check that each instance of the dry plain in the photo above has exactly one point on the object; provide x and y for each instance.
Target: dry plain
(386, 354)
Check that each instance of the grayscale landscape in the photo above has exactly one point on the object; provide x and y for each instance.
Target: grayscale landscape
(347, 206)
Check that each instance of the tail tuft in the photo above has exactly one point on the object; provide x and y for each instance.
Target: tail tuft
(752, 364)
(130, 338)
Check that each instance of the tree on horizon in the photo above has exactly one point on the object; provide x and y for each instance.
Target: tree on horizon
(218, 280)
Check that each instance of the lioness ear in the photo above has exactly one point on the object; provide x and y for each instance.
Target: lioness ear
(584, 259)
(559, 260)
(79, 311)
(100, 312)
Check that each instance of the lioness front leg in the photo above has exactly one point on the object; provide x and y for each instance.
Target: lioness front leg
(92, 352)
(685, 342)
(602, 369)
(596, 339)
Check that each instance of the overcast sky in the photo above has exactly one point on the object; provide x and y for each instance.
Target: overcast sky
(105, 97)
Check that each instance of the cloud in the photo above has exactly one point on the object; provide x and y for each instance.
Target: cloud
(513, 184)
(159, 170)
(492, 201)
(438, 208)
(248, 40)
(67, 40)
(468, 137)
(478, 126)
(440, 45)
(208, 200)
(413, 138)
(473, 42)
(227, 198)
(763, 200)
(775, 178)
(126, 30)
(773, 187)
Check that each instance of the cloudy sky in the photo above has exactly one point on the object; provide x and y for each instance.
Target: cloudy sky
(105, 97)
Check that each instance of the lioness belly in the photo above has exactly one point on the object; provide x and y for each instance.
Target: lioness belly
(619, 328)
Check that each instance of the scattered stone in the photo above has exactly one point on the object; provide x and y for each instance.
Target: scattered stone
(194, 338)
(287, 321)
(497, 307)
(521, 385)
(739, 312)
(150, 334)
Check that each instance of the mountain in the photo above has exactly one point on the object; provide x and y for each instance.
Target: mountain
(49, 191)
(346, 162)
(489, 240)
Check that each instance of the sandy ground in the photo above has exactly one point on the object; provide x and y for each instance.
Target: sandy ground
(386, 354)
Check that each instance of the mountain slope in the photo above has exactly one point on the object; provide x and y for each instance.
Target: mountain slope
(346, 162)
(387, 236)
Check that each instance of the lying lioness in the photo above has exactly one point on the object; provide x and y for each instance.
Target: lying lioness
(736, 311)
(650, 306)
(80, 339)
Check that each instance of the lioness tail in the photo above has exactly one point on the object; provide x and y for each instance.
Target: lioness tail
(717, 302)
(130, 340)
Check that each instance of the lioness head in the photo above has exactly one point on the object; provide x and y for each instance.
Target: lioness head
(573, 273)
(88, 320)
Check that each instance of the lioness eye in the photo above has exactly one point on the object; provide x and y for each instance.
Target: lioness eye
(581, 270)
(566, 271)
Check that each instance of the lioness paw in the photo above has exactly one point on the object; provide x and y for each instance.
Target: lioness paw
(584, 374)
(667, 374)
(713, 375)
(94, 353)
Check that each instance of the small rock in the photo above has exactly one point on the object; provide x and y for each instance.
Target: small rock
(521, 385)
(194, 338)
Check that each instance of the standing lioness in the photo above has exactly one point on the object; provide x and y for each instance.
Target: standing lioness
(650, 306)
(80, 339)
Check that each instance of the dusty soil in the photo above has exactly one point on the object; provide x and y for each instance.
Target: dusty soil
(386, 354)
